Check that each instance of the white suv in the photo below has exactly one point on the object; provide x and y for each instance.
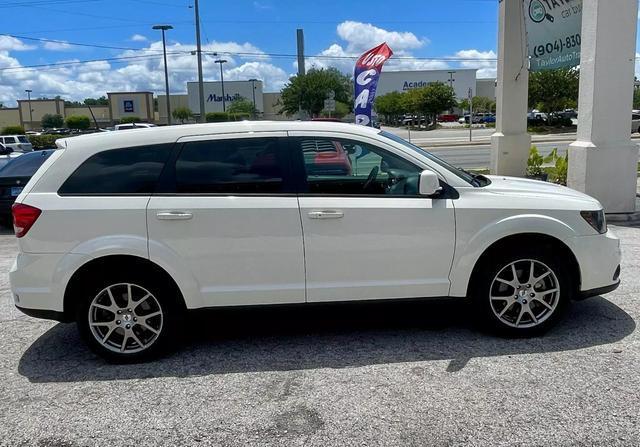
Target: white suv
(19, 143)
(122, 232)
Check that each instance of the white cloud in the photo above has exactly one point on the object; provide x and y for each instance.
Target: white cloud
(8, 43)
(138, 38)
(57, 46)
(76, 82)
(485, 62)
(362, 36)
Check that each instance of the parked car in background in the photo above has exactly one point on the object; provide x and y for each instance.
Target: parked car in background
(124, 232)
(56, 131)
(7, 154)
(130, 126)
(635, 122)
(15, 175)
(448, 118)
(19, 143)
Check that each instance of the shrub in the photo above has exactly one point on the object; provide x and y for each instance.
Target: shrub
(50, 121)
(13, 130)
(239, 116)
(43, 141)
(182, 114)
(78, 122)
(217, 117)
(130, 119)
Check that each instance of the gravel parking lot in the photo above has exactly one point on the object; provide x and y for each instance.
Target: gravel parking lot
(411, 374)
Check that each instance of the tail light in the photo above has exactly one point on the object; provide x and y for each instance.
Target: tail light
(24, 216)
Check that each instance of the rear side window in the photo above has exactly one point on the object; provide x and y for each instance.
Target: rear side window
(23, 139)
(239, 166)
(119, 171)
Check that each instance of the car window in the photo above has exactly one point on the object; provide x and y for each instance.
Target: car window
(231, 166)
(23, 139)
(335, 166)
(132, 170)
(9, 140)
(25, 165)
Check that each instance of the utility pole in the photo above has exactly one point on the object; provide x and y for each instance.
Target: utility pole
(30, 108)
(451, 79)
(253, 88)
(164, 28)
(224, 101)
(199, 54)
(470, 114)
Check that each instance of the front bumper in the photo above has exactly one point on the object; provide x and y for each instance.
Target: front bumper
(599, 259)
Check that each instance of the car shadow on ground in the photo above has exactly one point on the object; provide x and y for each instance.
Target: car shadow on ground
(330, 336)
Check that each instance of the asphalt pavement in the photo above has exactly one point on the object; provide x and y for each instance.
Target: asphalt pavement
(394, 375)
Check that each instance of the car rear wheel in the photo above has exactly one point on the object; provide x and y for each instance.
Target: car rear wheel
(523, 293)
(128, 319)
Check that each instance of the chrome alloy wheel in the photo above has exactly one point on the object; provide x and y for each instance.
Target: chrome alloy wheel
(125, 318)
(524, 293)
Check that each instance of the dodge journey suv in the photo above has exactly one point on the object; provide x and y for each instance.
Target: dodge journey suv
(123, 232)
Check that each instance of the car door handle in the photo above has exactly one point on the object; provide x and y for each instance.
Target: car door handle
(174, 215)
(326, 214)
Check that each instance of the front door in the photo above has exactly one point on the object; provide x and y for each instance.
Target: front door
(367, 232)
(227, 213)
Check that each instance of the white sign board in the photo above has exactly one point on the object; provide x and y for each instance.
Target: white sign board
(553, 33)
(330, 105)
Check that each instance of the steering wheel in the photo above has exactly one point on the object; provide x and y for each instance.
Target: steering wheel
(372, 176)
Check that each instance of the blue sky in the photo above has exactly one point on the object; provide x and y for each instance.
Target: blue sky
(262, 30)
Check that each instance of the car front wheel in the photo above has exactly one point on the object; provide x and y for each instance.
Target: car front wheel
(523, 293)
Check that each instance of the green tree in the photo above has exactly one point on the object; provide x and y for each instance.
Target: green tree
(50, 121)
(182, 113)
(101, 101)
(636, 98)
(80, 122)
(390, 106)
(13, 130)
(242, 105)
(480, 104)
(308, 92)
(432, 100)
(129, 119)
(554, 90)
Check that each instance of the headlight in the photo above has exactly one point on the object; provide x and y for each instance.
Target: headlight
(596, 219)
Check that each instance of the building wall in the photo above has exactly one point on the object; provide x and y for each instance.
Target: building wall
(123, 104)
(401, 81)
(9, 117)
(486, 87)
(175, 101)
(272, 108)
(233, 90)
(39, 108)
(100, 112)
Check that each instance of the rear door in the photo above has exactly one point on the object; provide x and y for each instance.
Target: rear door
(227, 211)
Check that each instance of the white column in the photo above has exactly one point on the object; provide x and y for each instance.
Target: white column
(510, 143)
(603, 160)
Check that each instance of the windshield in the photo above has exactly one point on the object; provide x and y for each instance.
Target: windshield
(467, 177)
(25, 165)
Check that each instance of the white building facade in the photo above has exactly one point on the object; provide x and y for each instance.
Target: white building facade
(233, 91)
(461, 79)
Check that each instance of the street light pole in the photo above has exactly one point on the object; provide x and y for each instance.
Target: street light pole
(224, 104)
(253, 89)
(199, 53)
(30, 109)
(164, 28)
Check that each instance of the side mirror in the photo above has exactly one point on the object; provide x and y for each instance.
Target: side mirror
(429, 183)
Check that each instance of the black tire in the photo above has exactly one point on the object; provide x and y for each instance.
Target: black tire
(483, 287)
(167, 300)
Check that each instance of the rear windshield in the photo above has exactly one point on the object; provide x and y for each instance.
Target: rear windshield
(25, 165)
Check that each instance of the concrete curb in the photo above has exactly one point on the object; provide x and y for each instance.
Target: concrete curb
(631, 219)
(534, 140)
